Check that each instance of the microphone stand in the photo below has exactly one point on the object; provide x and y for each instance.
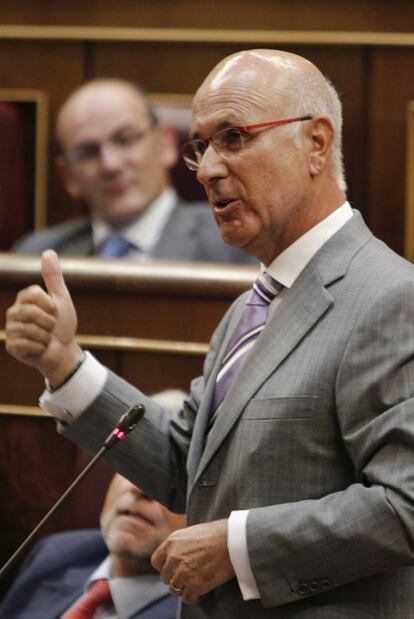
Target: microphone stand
(126, 423)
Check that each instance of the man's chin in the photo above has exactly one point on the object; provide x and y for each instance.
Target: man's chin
(124, 544)
(126, 554)
(120, 215)
(236, 238)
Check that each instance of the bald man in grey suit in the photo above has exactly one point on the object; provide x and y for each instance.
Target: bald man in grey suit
(299, 485)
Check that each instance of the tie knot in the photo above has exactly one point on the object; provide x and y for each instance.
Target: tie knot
(265, 288)
(98, 595)
(100, 590)
(115, 246)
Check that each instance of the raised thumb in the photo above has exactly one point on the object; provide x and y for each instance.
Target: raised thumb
(52, 274)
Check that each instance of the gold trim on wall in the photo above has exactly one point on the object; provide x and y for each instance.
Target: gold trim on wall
(205, 35)
(40, 99)
(409, 204)
(143, 345)
(104, 342)
(225, 281)
(24, 411)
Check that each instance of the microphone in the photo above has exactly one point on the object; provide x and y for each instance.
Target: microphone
(126, 423)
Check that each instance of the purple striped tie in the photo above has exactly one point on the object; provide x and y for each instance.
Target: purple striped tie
(251, 324)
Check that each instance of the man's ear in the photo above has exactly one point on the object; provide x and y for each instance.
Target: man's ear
(322, 135)
(167, 143)
(66, 175)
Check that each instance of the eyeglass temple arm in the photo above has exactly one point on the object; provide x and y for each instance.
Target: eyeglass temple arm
(274, 123)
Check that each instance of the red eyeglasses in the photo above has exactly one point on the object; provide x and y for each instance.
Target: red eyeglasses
(229, 140)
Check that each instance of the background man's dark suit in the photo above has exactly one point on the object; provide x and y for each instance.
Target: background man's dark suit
(54, 576)
(190, 234)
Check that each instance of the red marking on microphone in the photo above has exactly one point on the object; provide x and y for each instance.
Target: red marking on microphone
(120, 434)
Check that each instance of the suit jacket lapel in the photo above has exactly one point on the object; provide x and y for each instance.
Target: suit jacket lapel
(55, 599)
(79, 242)
(82, 246)
(178, 238)
(303, 306)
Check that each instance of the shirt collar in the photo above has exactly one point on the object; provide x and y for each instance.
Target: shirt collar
(146, 229)
(288, 265)
(130, 594)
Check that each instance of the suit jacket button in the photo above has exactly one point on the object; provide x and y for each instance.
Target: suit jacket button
(303, 589)
(314, 586)
(324, 583)
(205, 483)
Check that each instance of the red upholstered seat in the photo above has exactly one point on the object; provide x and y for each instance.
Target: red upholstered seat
(12, 177)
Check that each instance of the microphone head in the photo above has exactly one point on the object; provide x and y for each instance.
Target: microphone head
(129, 420)
(126, 423)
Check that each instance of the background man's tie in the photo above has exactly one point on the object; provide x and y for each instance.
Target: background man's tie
(115, 246)
(98, 595)
(251, 324)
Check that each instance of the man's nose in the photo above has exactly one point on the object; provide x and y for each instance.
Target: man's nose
(211, 167)
(110, 156)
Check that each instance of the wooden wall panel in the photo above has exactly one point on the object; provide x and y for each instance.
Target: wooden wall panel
(161, 67)
(19, 384)
(278, 14)
(57, 70)
(391, 87)
(150, 317)
(36, 465)
(161, 371)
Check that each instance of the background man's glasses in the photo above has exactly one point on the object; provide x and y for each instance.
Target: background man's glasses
(228, 141)
(121, 142)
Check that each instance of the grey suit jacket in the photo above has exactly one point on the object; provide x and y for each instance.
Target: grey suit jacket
(190, 234)
(315, 437)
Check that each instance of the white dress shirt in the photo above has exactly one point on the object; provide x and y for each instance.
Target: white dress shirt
(145, 230)
(81, 390)
(129, 595)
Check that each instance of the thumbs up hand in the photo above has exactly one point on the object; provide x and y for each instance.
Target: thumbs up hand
(41, 326)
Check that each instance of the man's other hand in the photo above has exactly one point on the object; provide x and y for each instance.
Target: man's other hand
(195, 560)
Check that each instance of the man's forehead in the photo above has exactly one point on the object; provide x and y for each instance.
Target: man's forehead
(253, 66)
(245, 77)
(100, 102)
(90, 123)
(106, 102)
(234, 103)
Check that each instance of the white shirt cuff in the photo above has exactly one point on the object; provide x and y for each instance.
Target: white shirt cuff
(68, 402)
(237, 546)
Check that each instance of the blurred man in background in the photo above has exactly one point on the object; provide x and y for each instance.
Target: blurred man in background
(64, 570)
(116, 157)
